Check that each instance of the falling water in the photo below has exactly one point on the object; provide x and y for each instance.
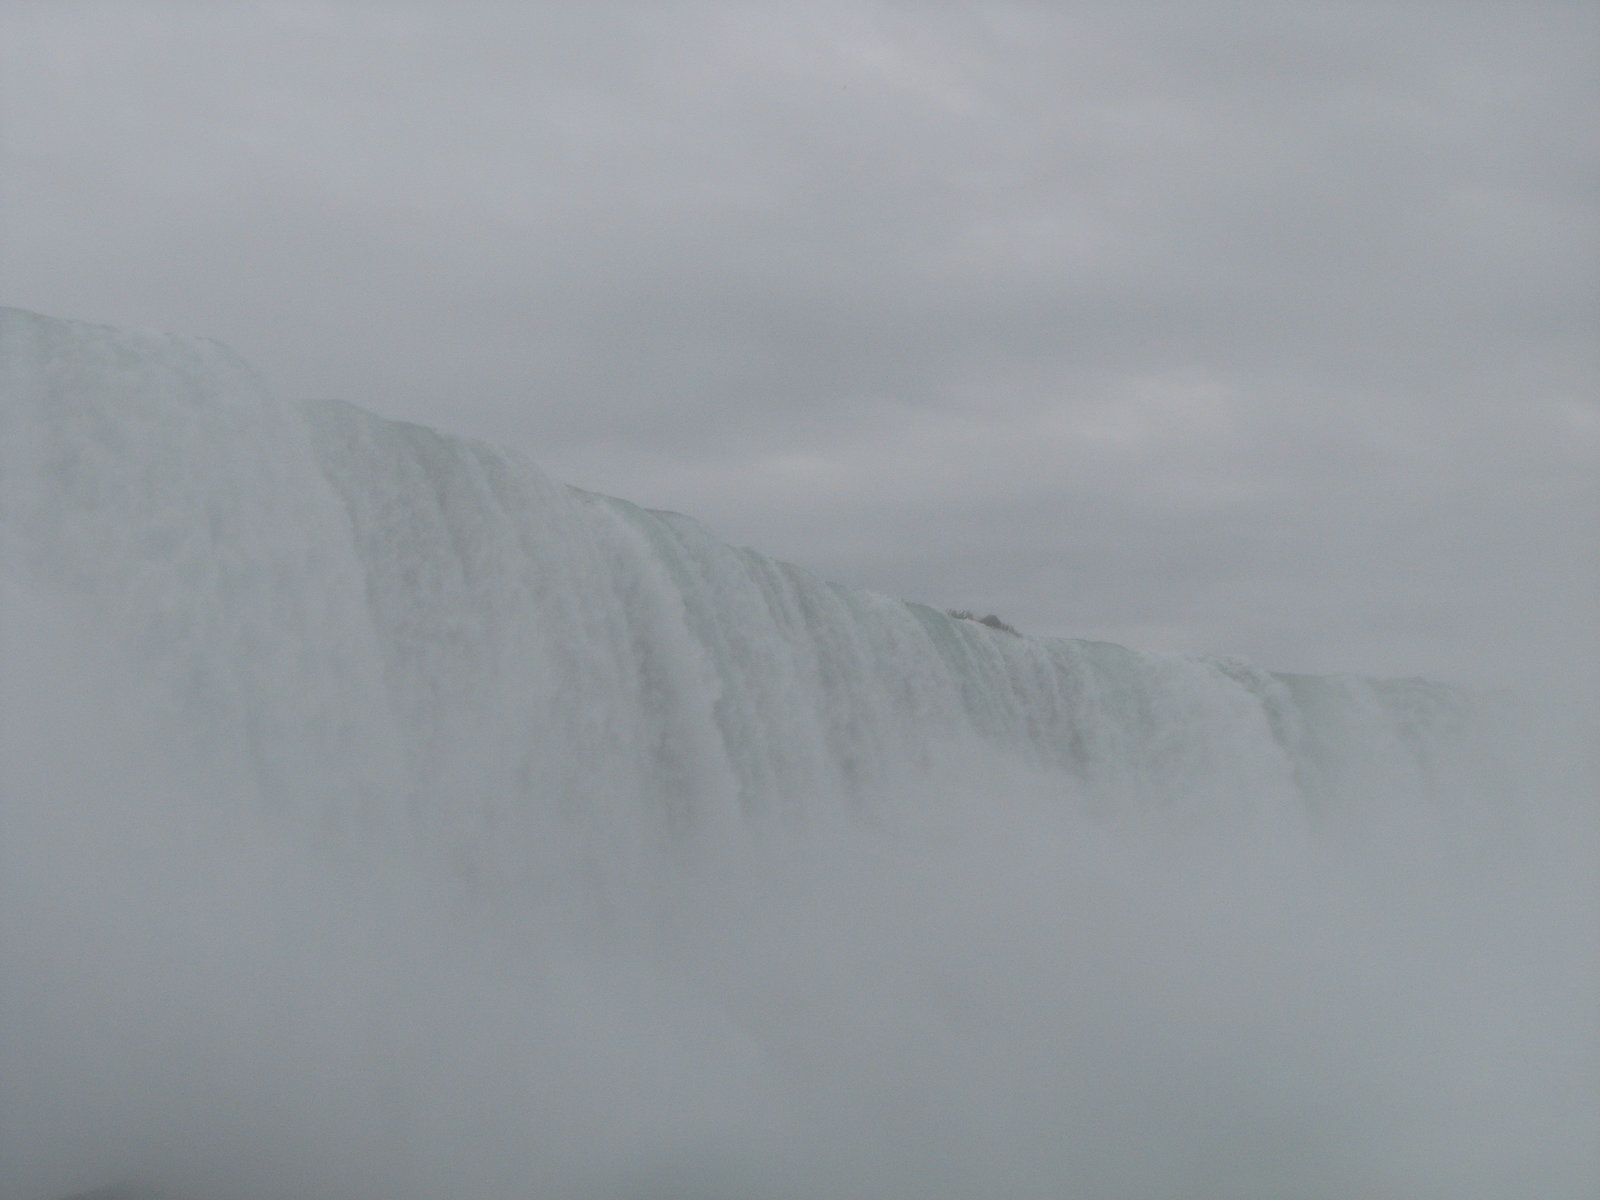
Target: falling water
(382, 817)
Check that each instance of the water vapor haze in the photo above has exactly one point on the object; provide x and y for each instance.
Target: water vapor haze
(995, 998)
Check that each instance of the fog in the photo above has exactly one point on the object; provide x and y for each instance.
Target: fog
(989, 996)
(962, 975)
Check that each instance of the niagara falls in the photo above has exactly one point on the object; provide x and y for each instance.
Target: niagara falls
(383, 817)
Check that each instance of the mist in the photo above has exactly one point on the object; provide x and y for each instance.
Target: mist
(383, 819)
(980, 993)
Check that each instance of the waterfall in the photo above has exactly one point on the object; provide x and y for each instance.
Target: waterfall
(385, 817)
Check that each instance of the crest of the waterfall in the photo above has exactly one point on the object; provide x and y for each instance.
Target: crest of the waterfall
(403, 628)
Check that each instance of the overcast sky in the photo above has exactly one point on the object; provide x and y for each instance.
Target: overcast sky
(1215, 328)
